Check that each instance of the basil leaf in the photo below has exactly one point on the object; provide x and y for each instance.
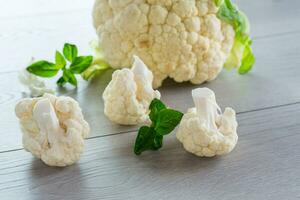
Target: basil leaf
(61, 81)
(70, 51)
(145, 140)
(167, 121)
(158, 142)
(43, 69)
(80, 64)
(60, 60)
(70, 78)
(155, 106)
(164, 122)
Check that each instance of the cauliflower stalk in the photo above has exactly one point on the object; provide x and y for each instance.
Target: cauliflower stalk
(129, 94)
(187, 40)
(204, 131)
(53, 129)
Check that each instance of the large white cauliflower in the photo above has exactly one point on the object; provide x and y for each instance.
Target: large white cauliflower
(129, 94)
(53, 129)
(204, 131)
(187, 40)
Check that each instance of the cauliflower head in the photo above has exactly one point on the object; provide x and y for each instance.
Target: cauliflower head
(53, 129)
(129, 94)
(186, 40)
(204, 130)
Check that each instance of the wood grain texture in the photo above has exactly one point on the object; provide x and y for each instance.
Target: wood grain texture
(23, 32)
(264, 165)
(271, 17)
(31, 8)
(34, 28)
(39, 37)
(274, 81)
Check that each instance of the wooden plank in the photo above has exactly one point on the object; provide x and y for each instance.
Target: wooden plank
(271, 17)
(89, 97)
(25, 36)
(39, 37)
(274, 81)
(15, 9)
(37, 28)
(264, 165)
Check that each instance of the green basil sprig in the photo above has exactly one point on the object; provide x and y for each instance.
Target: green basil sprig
(77, 65)
(164, 121)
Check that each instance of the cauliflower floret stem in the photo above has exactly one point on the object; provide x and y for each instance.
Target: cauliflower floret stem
(47, 120)
(142, 75)
(207, 108)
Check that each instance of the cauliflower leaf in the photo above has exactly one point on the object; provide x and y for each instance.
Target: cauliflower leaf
(241, 54)
(99, 65)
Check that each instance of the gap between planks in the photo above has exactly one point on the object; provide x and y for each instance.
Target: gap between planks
(131, 131)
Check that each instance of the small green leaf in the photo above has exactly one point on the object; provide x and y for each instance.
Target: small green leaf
(158, 141)
(164, 122)
(155, 106)
(43, 69)
(230, 14)
(70, 78)
(241, 55)
(80, 64)
(61, 81)
(218, 2)
(167, 121)
(147, 140)
(60, 60)
(70, 51)
(94, 69)
(247, 61)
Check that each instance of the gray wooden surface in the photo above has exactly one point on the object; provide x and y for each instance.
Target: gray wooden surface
(265, 164)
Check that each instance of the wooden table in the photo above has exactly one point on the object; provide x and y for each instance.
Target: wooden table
(264, 165)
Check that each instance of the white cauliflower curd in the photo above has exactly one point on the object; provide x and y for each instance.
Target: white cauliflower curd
(204, 130)
(53, 129)
(35, 86)
(129, 94)
(182, 39)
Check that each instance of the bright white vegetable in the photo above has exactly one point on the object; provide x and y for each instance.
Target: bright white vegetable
(35, 86)
(204, 130)
(53, 129)
(187, 40)
(129, 94)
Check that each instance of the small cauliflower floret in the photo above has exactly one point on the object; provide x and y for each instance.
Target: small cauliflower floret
(53, 129)
(204, 131)
(129, 94)
(35, 86)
